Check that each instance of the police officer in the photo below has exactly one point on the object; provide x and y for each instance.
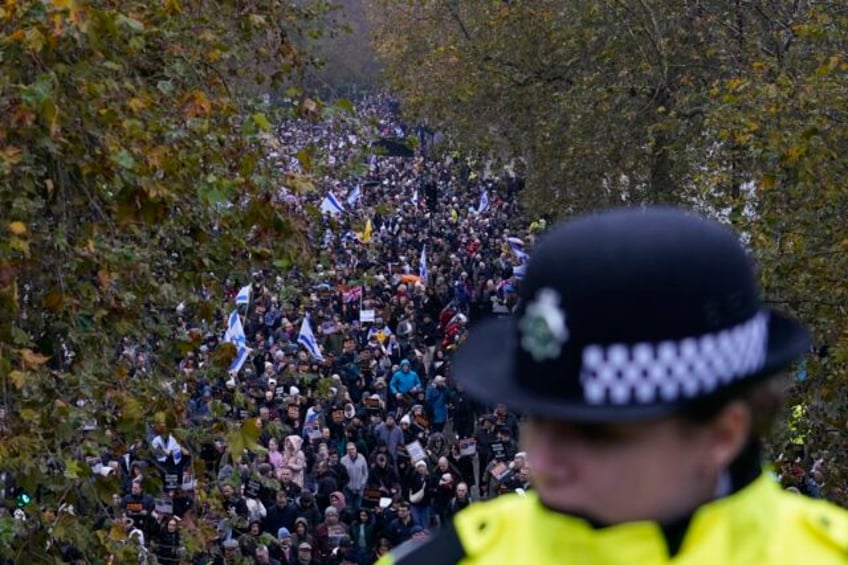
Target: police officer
(642, 358)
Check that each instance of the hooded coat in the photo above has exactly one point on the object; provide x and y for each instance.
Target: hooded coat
(404, 381)
(294, 459)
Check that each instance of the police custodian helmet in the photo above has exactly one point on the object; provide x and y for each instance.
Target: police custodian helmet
(630, 314)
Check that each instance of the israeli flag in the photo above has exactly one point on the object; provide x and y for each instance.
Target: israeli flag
(243, 296)
(519, 271)
(307, 339)
(331, 205)
(517, 247)
(235, 331)
(241, 357)
(422, 264)
(353, 197)
(484, 202)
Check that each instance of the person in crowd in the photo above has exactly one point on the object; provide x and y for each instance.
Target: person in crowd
(404, 380)
(263, 556)
(437, 403)
(384, 477)
(421, 492)
(357, 472)
(401, 528)
(326, 484)
(302, 532)
(460, 501)
(390, 433)
(167, 542)
(308, 509)
(287, 484)
(329, 534)
(138, 505)
(275, 457)
(294, 459)
(283, 551)
(249, 540)
(648, 353)
(304, 554)
(362, 532)
(338, 501)
(281, 515)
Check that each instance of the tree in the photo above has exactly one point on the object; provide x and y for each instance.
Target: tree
(786, 117)
(734, 108)
(348, 64)
(134, 178)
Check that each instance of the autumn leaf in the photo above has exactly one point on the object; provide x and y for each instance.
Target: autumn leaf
(18, 379)
(244, 438)
(30, 416)
(197, 105)
(11, 156)
(32, 360)
(17, 228)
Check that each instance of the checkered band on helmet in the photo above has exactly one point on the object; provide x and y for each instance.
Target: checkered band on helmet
(646, 373)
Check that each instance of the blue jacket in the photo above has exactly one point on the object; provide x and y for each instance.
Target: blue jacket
(404, 382)
(437, 400)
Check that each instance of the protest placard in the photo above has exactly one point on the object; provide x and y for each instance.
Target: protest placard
(416, 451)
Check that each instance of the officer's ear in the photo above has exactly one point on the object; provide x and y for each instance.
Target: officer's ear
(728, 433)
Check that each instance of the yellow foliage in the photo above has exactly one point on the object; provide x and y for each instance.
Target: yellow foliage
(32, 360)
(17, 228)
(137, 104)
(197, 105)
(18, 379)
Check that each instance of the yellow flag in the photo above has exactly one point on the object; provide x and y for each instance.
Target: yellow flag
(366, 236)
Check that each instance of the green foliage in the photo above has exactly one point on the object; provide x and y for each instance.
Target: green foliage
(736, 109)
(132, 175)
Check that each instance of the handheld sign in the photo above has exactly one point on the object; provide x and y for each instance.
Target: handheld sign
(416, 451)
(467, 446)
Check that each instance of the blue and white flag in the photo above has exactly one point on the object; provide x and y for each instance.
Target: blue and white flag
(241, 357)
(422, 265)
(484, 202)
(354, 195)
(331, 205)
(235, 331)
(519, 271)
(517, 246)
(243, 296)
(415, 197)
(307, 339)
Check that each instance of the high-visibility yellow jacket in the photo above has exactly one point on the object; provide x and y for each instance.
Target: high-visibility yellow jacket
(759, 524)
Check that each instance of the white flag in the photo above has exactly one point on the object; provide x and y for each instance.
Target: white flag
(307, 339)
(354, 195)
(422, 265)
(235, 331)
(243, 296)
(331, 205)
(484, 202)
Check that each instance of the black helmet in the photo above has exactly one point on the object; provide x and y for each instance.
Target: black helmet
(630, 314)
